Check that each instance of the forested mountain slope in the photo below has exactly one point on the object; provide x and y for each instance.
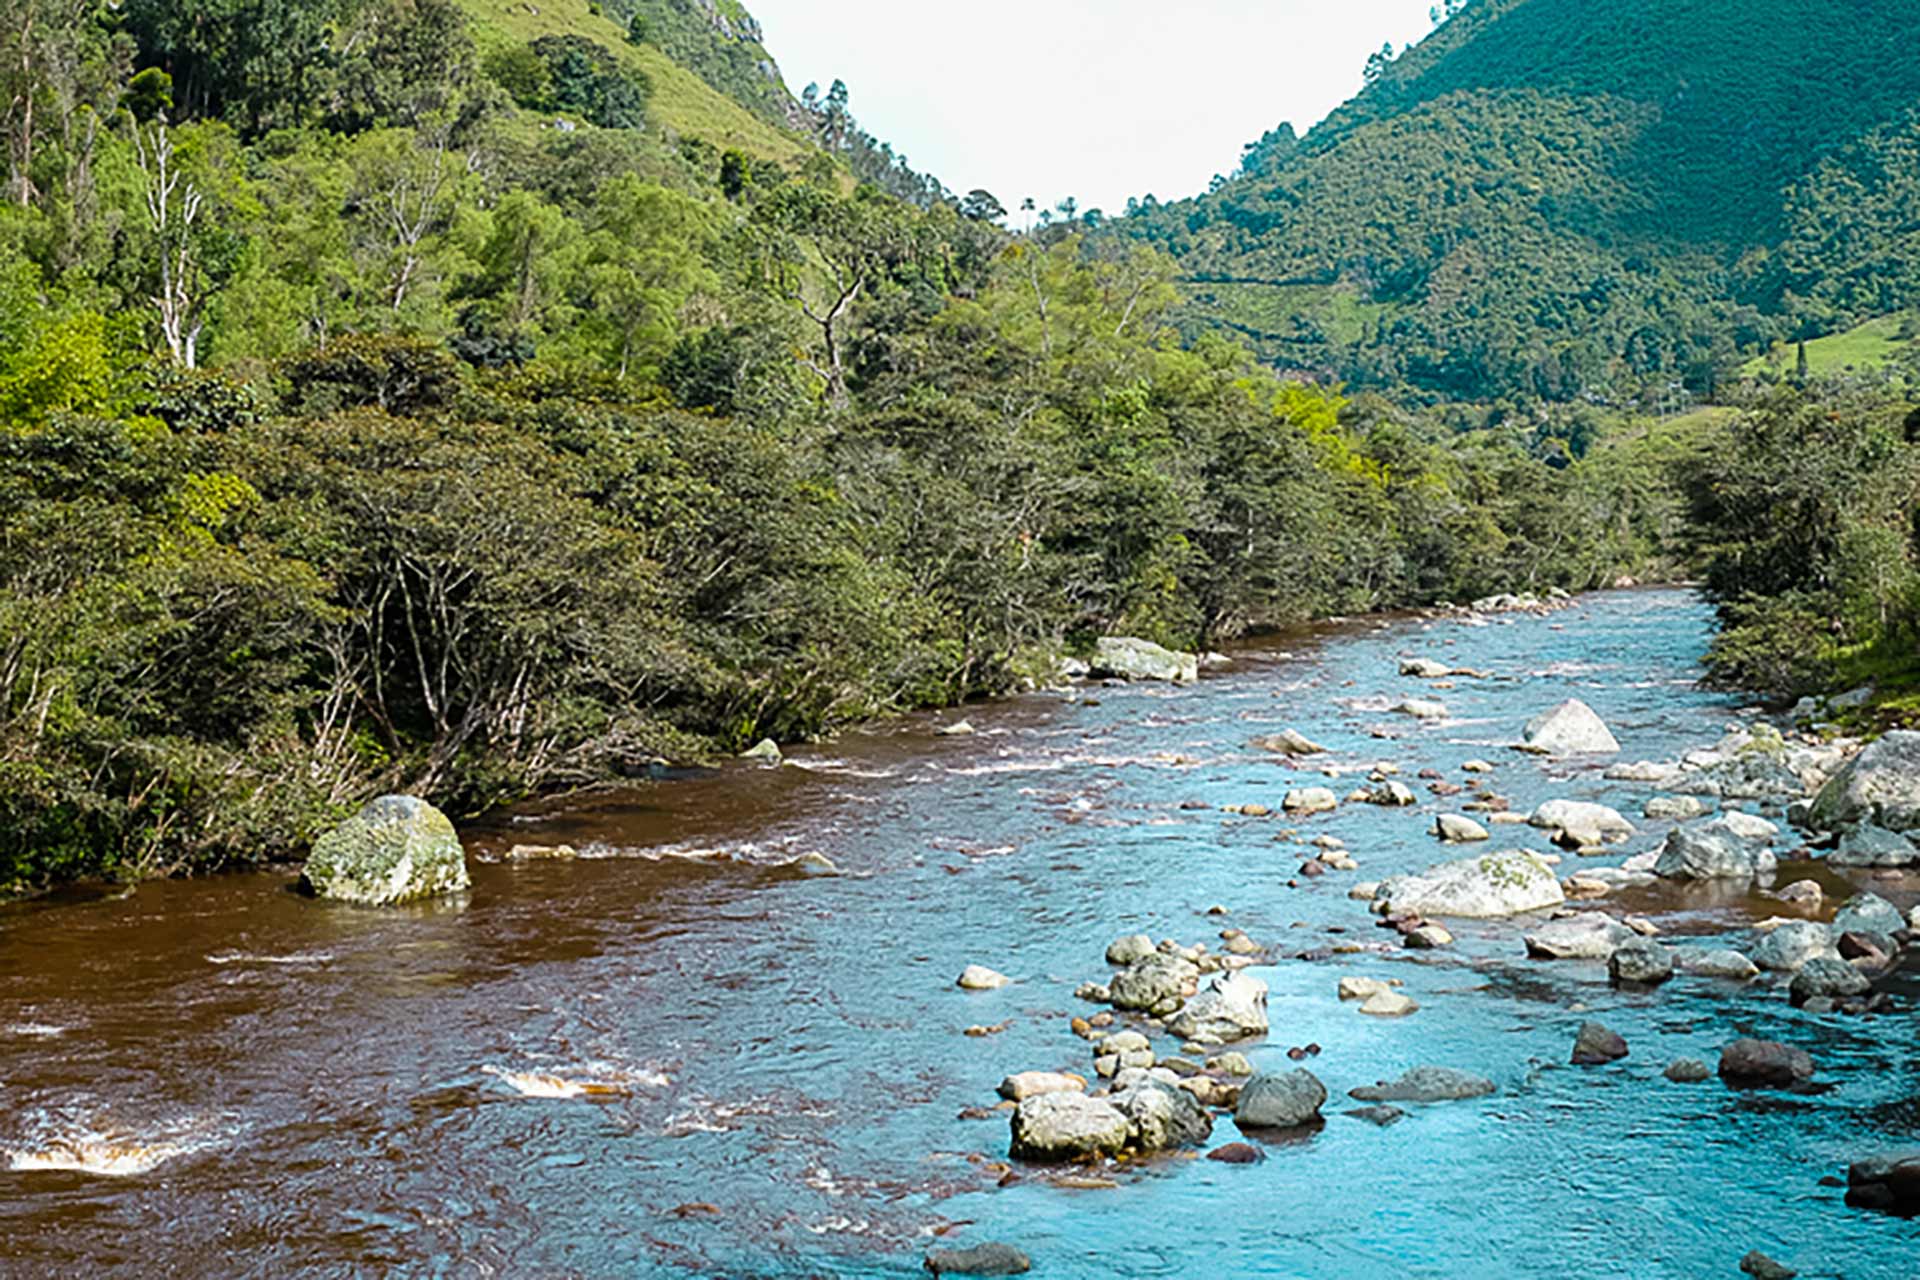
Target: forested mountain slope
(1557, 198)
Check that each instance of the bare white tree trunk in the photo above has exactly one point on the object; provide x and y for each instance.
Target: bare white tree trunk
(173, 206)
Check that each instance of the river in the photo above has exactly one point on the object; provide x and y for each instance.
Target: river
(322, 1090)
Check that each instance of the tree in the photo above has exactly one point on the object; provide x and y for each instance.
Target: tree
(644, 262)
(173, 207)
(979, 205)
(822, 252)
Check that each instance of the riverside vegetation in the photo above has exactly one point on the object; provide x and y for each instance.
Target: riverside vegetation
(428, 397)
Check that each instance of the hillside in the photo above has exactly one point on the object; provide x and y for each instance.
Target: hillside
(708, 75)
(1553, 198)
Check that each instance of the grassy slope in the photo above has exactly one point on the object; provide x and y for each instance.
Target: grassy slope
(1860, 349)
(681, 100)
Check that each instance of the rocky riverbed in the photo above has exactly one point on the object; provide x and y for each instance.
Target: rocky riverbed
(1436, 1005)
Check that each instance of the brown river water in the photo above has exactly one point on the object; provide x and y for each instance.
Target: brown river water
(221, 1078)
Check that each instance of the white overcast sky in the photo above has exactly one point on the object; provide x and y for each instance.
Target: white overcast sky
(1095, 99)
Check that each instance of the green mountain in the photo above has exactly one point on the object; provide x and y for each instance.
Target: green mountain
(1563, 199)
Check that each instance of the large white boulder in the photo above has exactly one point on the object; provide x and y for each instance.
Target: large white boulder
(1570, 729)
(1129, 658)
(1504, 883)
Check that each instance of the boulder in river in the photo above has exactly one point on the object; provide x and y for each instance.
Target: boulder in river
(1057, 1127)
(1868, 845)
(1426, 1084)
(1710, 851)
(396, 849)
(1761, 1267)
(1589, 935)
(1288, 742)
(1570, 729)
(1310, 800)
(1868, 913)
(1031, 1084)
(1425, 669)
(1789, 945)
(1596, 1045)
(1674, 808)
(1285, 1100)
(1457, 829)
(1127, 949)
(1153, 982)
(1595, 820)
(1881, 785)
(1827, 978)
(1422, 709)
(1688, 1071)
(1886, 1184)
(1389, 1004)
(977, 977)
(766, 751)
(1227, 1007)
(991, 1259)
(1749, 1063)
(1486, 887)
(1640, 963)
(1128, 658)
(1161, 1116)
(1718, 962)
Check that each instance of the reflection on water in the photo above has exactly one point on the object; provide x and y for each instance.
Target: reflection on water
(692, 1054)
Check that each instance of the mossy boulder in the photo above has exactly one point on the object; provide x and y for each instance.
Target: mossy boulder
(397, 849)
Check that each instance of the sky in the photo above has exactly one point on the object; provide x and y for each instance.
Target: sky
(1094, 99)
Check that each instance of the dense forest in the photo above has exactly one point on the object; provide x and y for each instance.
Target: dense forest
(1680, 197)
(415, 396)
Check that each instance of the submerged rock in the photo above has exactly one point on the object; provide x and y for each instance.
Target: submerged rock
(1426, 1084)
(1688, 1071)
(1765, 1064)
(1596, 1045)
(1227, 1007)
(1570, 729)
(1129, 658)
(1881, 785)
(396, 849)
(1056, 1127)
(1486, 887)
(1237, 1153)
(1425, 669)
(992, 1259)
(1761, 1267)
(1283, 1101)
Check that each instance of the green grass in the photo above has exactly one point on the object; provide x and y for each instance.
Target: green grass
(1337, 311)
(1861, 349)
(681, 101)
